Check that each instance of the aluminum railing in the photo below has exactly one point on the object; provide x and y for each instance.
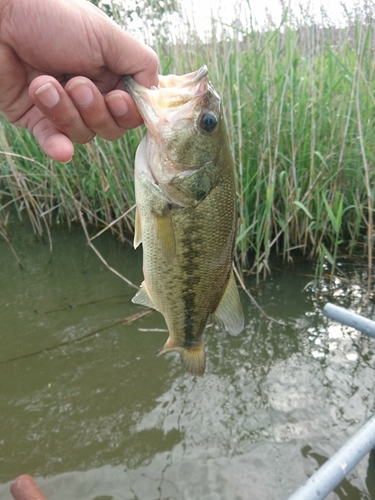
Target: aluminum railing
(325, 479)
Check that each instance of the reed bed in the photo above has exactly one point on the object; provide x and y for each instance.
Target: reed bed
(98, 182)
(299, 103)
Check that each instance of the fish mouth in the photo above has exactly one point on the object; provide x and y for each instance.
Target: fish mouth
(181, 82)
(172, 93)
(169, 81)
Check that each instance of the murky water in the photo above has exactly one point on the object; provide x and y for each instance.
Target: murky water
(102, 418)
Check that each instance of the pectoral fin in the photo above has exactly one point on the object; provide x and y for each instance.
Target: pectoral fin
(143, 298)
(229, 313)
(137, 229)
(165, 235)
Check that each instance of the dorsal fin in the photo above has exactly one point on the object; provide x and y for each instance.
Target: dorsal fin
(229, 313)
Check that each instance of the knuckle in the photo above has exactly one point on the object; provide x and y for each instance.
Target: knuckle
(68, 120)
(87, 138)
(74, 127)
(114, 136)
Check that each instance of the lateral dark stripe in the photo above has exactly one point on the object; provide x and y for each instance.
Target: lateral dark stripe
(191, 280)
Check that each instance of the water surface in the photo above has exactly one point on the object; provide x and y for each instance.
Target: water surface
(102, 418)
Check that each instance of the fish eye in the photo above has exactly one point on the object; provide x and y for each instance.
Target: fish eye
(208, 121)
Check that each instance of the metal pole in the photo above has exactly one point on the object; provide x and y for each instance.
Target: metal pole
(320, 484)
(348, 318)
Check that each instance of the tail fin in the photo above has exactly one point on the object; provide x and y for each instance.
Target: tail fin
(193, 358)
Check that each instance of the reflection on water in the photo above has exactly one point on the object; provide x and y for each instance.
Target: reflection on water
(102, 418)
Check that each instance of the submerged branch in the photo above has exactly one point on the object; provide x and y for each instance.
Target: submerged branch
(2, 233)
(127, 321)
(113, 222)
(278, 321)
(130, 283)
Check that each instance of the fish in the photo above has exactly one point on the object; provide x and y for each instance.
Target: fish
(186, 213)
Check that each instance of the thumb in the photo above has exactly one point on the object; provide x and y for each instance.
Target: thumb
(124, 54)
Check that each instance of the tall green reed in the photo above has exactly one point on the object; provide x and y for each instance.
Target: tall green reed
(98, 182)
(299, 104)
(300, 110)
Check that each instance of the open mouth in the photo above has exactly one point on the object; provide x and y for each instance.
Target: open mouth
(170, 96)
(184, 81)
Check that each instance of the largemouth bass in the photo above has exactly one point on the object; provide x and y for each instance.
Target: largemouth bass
(186, 212)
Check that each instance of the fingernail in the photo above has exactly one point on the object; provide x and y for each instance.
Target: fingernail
(47, 94)
(117, 105)
(81, 94)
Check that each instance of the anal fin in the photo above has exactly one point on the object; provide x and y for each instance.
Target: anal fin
(229, 313)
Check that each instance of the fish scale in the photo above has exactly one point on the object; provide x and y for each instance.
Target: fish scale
(186, 213)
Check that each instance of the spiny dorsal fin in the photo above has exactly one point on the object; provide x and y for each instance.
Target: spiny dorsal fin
(229, 313)
(143, 298)
(137, 229)
(193, 358)
(165, 235)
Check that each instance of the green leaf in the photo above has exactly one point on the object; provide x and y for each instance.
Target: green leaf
(303, 208)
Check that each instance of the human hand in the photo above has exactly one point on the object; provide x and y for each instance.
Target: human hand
(44, 45)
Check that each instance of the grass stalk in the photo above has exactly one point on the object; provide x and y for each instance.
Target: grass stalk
(300, 109)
